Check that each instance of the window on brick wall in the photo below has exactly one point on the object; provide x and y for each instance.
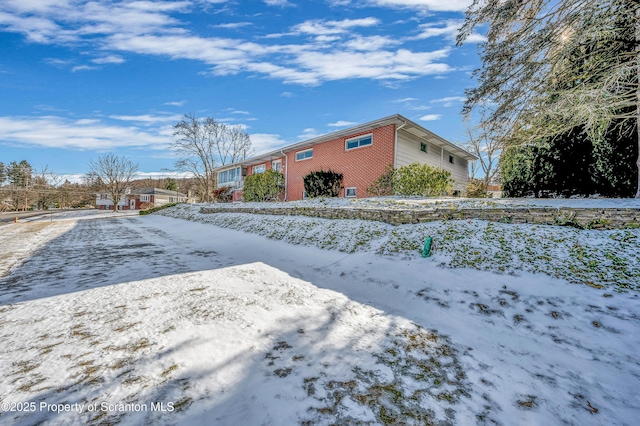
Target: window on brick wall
(276, 165)
(359, 142)
(350, 192)
(304, 155)
(259, 169)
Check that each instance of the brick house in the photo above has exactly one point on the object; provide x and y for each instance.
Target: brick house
(141, 198)
(361, 153)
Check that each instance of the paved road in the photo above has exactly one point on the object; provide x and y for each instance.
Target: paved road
(10, 216)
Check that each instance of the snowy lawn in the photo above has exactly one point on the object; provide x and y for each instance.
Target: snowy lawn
(160, 320)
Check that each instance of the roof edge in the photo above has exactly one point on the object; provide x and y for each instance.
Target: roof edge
(391, 119)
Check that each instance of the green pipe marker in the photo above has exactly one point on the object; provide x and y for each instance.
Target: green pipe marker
(426, 249)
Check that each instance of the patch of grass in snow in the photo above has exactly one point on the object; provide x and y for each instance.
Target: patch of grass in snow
(130, 347)
(125, 327)
(169, 370)
(424, 372)
(528, 402)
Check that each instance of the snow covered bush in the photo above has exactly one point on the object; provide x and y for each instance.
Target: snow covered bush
(414, 179)
(267, 186)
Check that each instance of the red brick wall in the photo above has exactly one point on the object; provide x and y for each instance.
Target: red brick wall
(360, 167)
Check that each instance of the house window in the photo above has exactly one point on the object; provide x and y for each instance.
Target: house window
(451, 159)
(359, 142)
(230, 175)
(145, 198)
(259, 169)
(304, 155)
(304, 195)
(423, 147)
(350, 192)
(276, 165)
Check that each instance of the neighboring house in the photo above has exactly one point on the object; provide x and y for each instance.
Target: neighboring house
(361, 153)
(154, 197)
(141, 198)
(104, 201)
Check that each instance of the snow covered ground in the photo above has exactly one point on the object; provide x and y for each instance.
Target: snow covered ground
(184, 318)
(448, 203)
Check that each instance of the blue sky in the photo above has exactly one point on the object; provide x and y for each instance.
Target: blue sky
(79, 78)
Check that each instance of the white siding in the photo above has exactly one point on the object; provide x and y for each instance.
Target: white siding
(409, 152)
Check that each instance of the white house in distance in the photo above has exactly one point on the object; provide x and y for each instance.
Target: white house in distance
(141, 198)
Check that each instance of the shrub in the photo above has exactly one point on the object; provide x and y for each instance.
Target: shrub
(323, 184)
(267, 186)
(476, 188)
(155, 209)
(414, 179)
(222, 195)
(384, 184)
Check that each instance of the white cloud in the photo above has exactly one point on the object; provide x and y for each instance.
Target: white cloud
(82, 68)
(447, 29)
(280, 3)
(308, 133)
(380, 65)
(405, 100)
(111, 59)
(265, 142)
(147, 27)
(175, 103)
(287, 94)
(449, 100)
(323, 27)
(434, 5)
(342, 123)
(82, 134)
(233, 25)
(370, 43)
(148, 119)
(431, 117)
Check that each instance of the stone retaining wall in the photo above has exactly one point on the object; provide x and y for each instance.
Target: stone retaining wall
(589, 218)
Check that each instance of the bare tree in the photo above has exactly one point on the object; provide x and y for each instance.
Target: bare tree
(112, 174)
(44, 186)
(205, 144)
(487, 146)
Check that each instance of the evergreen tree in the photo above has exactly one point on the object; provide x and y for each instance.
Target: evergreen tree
(551, 66)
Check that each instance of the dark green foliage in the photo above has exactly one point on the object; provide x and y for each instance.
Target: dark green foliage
(155, 209)
(572, 164)
(323, 184)
(613, 169)
(172, 185)
(267, 186)
(19, 174)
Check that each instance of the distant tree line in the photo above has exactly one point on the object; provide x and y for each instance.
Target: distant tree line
(24, 188)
